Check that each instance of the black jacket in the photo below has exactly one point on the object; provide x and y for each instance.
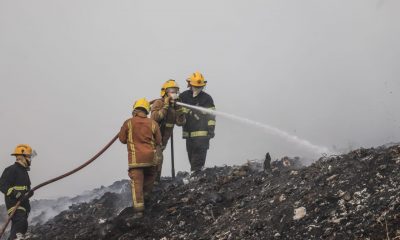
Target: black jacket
(15, 178)
(198, 124)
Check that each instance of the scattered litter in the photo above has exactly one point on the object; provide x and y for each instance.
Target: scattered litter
(351, 196)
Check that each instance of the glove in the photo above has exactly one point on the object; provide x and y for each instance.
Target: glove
(178, 108)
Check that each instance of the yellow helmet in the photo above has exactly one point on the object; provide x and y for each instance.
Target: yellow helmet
(22, 149)
(196, 80)
(168, 84)
(142, 103)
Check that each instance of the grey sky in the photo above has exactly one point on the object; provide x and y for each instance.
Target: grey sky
(327, 71)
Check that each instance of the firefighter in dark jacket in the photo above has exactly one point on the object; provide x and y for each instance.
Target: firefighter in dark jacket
(200, 126)
(166, 113)
(15, 183)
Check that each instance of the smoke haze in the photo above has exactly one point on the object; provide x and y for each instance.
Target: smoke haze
(326, 71)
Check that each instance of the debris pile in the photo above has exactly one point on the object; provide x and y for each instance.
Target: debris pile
(44, 209)
(350, 196)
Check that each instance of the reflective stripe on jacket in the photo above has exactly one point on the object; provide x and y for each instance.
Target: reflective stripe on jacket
(142, 136)
(198, 124)
(15, 178)
(166, 118)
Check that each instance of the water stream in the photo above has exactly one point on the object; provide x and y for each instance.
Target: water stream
(267, 128)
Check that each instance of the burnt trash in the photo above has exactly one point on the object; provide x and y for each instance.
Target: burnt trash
(349, 196)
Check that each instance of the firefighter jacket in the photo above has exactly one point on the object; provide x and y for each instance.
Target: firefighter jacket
(198, 124)
(15, 178)
(167, 117)
(142, 137)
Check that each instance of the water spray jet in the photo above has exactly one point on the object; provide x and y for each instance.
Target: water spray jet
(267, 128)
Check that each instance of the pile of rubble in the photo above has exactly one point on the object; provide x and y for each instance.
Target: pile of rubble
(351, 196)
(44, 209)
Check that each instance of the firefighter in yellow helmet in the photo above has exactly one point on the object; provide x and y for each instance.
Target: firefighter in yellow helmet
(199, 127)
(143, 138)
(15, 184)
(166, 113)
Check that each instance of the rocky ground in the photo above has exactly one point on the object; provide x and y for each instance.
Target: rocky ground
(351, 196)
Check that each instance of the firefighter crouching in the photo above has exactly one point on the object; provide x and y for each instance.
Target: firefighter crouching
(143, 138)
(166, 113)
(15, 183)
(199, 127)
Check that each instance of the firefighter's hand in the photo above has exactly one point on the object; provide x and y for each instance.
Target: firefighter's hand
(179, 109)
(180, 113)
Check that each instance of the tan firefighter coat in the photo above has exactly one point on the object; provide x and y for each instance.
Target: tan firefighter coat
(142, 136)
(166, 118)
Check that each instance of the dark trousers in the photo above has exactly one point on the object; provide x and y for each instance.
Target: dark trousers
(19, 224)
(197, 152)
